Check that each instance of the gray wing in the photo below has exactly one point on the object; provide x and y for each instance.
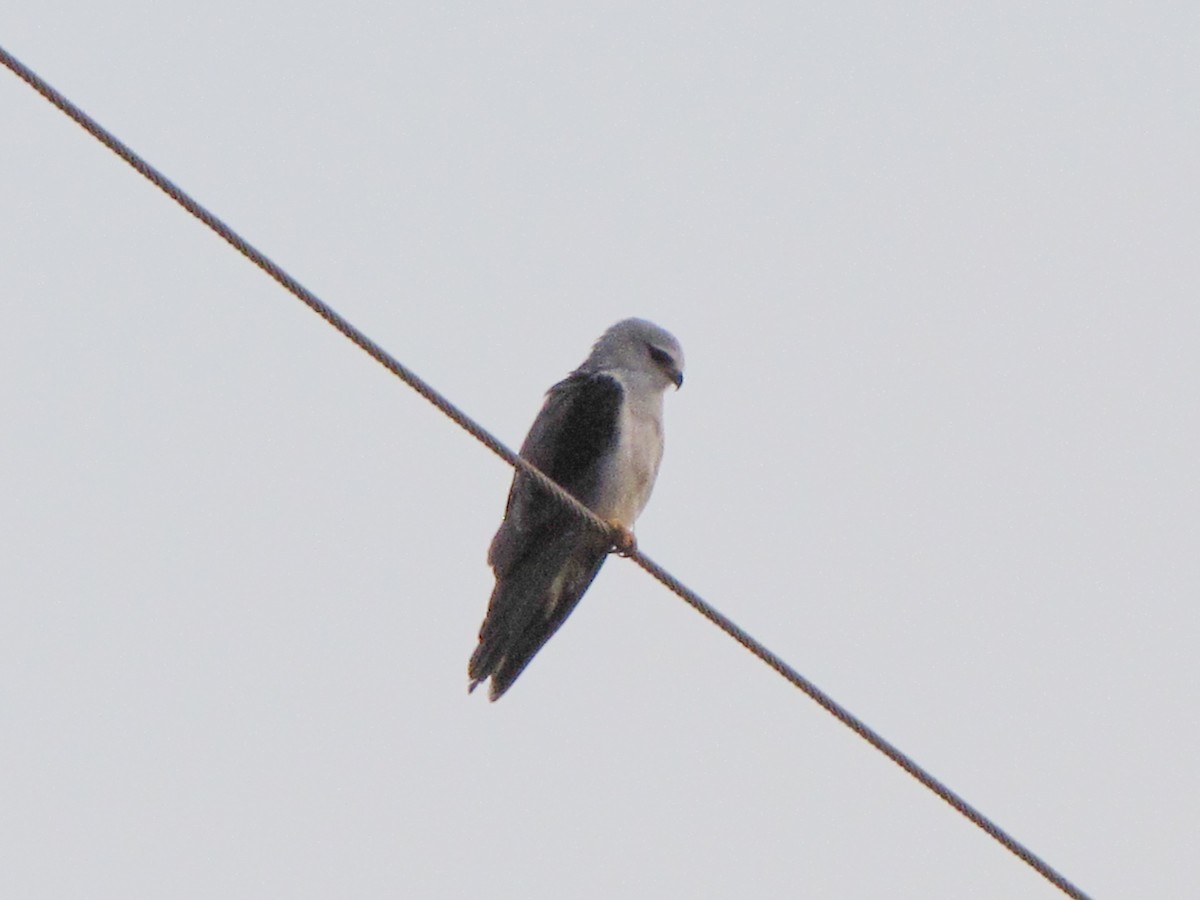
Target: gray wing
(543, 556)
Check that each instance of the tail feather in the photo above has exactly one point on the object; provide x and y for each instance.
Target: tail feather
(527, 606)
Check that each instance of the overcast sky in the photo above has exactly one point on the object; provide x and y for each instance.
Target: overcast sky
(936, 275)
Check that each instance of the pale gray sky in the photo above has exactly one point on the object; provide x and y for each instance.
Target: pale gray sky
(935, 272)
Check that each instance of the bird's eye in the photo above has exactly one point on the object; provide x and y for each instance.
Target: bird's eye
(660, 357)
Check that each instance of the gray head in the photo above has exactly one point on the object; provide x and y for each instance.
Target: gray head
(638, 350)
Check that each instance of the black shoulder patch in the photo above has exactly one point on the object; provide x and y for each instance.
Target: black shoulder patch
(588, 431)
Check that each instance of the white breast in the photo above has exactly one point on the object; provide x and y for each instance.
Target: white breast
(633, 466)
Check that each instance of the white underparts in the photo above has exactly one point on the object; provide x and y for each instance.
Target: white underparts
(632, 467)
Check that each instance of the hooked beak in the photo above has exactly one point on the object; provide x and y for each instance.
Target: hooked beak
(677, 377)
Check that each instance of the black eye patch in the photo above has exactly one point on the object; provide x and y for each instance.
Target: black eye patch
(660, 357)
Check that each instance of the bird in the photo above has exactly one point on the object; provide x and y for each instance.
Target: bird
(599, 435)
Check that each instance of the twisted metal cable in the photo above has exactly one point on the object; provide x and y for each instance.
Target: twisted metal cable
(326, 312)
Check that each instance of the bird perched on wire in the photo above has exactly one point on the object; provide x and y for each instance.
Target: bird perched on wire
(600, 436)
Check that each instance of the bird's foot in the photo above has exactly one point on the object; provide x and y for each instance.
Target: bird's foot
(623, 540)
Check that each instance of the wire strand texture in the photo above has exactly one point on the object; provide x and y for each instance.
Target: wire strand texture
(326, 312)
